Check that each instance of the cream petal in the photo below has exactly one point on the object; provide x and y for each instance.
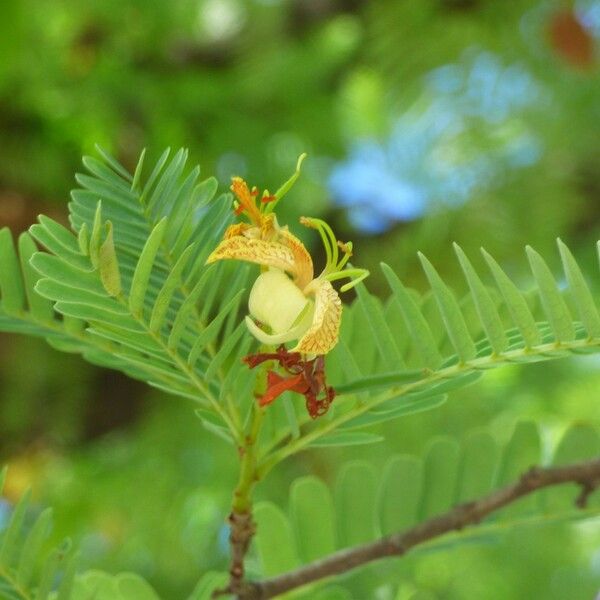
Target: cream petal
(323, 333)
(277, 301)
(274, 339)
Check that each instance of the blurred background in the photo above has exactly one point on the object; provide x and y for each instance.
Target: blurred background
(428, 122)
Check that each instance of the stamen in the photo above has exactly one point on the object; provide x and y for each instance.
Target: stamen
(332, 240)
(357, 275)
(246, 200)
(347, 250)
(325, 238)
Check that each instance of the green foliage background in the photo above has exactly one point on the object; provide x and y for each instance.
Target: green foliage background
(136, 481)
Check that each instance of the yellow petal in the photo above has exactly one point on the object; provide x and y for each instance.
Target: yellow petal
(303, 262)
(322, 335)
(269, 254)
(236, 229)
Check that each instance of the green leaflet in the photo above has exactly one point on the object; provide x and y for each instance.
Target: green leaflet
(579, 442)
(580, 292)
(213, 424)
(114, 164)
(305, 494)
(478, 468)
(154, 175)
(400, 492)
(10, 536)
(181, 210)
(186, 309)
(137, 174)
(515, 303)
(165, 295)
(108, 264)
(53, 290)
(55, 269)
(181, 223)
(208, 583)
(32, 548)
(280, 557)
(165, 186)
(23, 550)
(11, 283)
(384, 380)
(102, 586)
(390, 355)
(440, 474)
(355, 496)
(554, 305)
(225, 350)
(209, 334)
(95, 237)
(406, 405)
(522, 451)
(417, 326)
(39, 307)
(61, 234)
(485, 307)
(111, 171)
(453, 319)
(139, 284)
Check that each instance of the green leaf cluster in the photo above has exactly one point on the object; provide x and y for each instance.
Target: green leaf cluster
(365, 503)
(128, 287)
(405, 354)
(28, 568)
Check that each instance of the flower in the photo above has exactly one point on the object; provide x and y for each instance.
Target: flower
(287, 302)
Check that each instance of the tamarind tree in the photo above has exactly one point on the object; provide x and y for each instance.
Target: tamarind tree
(159, 278)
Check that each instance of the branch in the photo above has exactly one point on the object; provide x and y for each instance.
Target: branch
(585, 474)
(241, 523)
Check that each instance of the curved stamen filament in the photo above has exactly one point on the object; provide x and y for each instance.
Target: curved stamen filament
(329, 240)
(356, 276)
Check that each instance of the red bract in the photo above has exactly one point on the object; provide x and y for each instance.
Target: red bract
(307, 377)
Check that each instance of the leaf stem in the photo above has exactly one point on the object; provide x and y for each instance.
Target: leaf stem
(541, 352)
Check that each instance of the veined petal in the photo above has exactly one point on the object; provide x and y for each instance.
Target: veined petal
(304, 272)
(322, 335)
(237, 229)
(268, 254)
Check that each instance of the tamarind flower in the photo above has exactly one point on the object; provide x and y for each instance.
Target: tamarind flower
(287, 301)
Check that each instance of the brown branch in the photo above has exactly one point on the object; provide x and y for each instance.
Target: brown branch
(585, 474)
(242, 529)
